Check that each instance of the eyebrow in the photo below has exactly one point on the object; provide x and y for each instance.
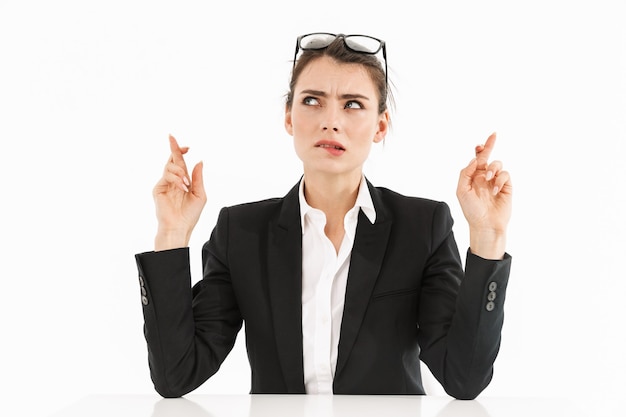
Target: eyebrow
(343, 96)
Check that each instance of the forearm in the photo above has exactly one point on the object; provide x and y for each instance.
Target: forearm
(473, 340)
(189, 331)
(168, 318)
(460, 328)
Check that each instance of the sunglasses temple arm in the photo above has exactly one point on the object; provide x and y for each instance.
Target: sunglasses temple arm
(295, 55)
(386, 68)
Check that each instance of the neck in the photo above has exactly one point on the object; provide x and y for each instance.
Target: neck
(334, 195)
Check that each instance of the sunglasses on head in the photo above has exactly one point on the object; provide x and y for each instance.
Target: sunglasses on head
(363, 44)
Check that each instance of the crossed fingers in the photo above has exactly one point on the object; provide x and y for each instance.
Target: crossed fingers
(493, 171)
(176, 168)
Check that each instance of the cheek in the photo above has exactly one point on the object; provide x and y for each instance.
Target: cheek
(364, 131)
(301, 122)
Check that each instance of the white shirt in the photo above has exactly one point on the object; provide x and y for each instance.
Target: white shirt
(324, 279)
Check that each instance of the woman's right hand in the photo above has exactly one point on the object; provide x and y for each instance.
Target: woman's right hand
(179, 200)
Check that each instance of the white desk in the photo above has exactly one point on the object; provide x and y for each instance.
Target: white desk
(315, 406)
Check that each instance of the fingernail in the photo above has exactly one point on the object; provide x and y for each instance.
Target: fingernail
(489, 176)
(185, 188)
(186, 181)
(495, 190)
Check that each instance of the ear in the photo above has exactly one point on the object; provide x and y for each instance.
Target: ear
(288, 123)
(383, 127)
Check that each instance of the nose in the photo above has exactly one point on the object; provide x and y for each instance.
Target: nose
(331, 119)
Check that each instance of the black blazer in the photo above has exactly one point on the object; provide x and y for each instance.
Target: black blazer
(407, 299)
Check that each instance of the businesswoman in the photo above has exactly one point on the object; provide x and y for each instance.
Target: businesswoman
(344, 287)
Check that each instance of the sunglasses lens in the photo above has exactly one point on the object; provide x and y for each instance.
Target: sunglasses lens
(316, 41)
(363, 44)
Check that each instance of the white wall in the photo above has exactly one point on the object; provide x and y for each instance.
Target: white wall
(90, 90)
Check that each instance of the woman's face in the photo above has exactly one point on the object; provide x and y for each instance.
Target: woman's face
(334, 118)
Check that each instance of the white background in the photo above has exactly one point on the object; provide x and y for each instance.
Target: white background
(89, 92)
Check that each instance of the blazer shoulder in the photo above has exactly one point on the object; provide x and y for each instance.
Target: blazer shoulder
(413, 213)
(251, 206)
(285, 210)
(402, 202)
(254, 212)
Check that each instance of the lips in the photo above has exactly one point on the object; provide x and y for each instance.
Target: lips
(330, 145)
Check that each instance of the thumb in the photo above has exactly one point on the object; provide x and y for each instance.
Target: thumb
(466, 176)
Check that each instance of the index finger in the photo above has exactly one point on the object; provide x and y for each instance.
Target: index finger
(177, 152)
(483, 152)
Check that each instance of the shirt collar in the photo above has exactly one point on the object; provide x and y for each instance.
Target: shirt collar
(363, 201)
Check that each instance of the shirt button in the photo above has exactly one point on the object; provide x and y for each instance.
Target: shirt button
(490, 306)
(141, 280)
(144, 300)
(491, 296)
(493, 286)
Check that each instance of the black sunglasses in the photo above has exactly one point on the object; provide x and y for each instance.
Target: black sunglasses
(363, 44)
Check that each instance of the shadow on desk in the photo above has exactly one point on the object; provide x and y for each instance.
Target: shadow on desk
(174, 407)
(457, 408)
(320, 405)
(266, 405)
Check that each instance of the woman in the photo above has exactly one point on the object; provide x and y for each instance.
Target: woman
(344, 287)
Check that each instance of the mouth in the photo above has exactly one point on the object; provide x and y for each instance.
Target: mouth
(330, 145)
(340, 148)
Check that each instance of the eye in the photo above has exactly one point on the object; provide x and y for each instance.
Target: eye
(310, 101)
(353, 104)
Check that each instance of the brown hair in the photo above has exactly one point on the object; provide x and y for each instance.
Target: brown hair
(338, 51)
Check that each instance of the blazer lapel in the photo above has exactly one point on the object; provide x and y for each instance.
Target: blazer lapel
(367, 256)
(285, 289)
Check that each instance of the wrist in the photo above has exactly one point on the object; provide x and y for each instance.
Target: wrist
(488, 243)
(171, 239)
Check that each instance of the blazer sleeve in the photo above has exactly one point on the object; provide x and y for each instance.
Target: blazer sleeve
(189, 331)
(461, 313)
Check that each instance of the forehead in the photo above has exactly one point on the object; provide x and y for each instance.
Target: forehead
(326, 73)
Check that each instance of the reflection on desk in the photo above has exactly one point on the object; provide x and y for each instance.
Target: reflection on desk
(314, 406)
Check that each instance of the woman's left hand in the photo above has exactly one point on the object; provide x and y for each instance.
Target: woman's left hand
(485, 194)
